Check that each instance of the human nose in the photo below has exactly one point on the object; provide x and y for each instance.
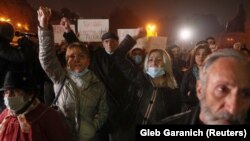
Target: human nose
(203, 56)
(232, 104)
(108, 43)
(76, 58)
(154, 63)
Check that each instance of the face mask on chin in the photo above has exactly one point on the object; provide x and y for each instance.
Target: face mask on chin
(155, 71)
(14, 103)
(78, 74)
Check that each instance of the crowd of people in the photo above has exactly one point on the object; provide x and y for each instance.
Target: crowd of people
(103, 92)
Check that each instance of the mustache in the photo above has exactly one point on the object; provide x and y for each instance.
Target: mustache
(231, 118)
(224, 115)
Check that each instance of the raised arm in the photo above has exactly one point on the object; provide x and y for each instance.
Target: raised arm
(47, 53)
(68, 34)
(127, 68)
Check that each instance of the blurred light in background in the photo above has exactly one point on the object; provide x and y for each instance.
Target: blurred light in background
(185, 34)
(151, 30)
(18, 25)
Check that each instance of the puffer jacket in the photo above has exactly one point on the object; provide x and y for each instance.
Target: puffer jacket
(85, 108)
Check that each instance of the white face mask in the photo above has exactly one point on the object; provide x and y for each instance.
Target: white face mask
(14, 103)
(155, 71)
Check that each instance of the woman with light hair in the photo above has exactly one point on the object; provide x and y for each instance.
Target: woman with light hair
(157, 94)
(156, 68)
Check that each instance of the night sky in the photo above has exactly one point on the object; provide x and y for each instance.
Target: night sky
(149, 10)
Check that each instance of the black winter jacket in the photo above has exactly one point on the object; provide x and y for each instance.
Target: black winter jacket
(188, 90)
(151, 103)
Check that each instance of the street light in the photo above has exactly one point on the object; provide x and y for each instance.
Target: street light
(185, 34)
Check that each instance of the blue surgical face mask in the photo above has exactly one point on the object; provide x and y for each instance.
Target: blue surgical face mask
(78, 74)
(137, 59)
(14, 103)
(155, 71)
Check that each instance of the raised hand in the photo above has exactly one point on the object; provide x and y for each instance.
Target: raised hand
(65, 23)
(140, 32)
(43, 15)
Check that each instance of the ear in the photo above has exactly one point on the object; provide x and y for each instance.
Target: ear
(199, 89)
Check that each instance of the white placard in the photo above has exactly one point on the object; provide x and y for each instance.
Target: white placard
(58, 32)
(157, 42)
(141, 43)
(91, 30)
(123, 32)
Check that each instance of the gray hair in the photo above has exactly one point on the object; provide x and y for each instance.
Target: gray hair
(211, 59)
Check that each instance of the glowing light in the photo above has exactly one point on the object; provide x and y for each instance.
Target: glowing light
(2, 19)
(19, 25)
(185, 34)
(26, 27)
(230, 39)
(151, 30)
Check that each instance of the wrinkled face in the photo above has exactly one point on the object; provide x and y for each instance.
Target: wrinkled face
(110, 45)
(225, 98)
(77, 60)
(155, 59)
(200, 56)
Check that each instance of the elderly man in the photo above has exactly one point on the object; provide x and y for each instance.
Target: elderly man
(223, 92)
(26, 118)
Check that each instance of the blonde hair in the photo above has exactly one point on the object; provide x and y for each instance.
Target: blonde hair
(170, 79)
